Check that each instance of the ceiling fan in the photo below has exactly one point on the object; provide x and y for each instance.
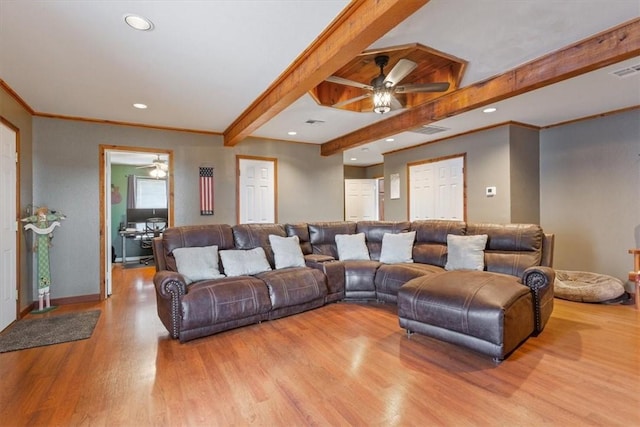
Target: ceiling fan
(156, 163)
(159, 166)
(383, 87)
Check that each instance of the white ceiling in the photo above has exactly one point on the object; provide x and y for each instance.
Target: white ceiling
(205, 62)
(135, 159)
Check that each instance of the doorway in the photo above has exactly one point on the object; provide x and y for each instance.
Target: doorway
(257, 183)
(8, 225)
(148, 168)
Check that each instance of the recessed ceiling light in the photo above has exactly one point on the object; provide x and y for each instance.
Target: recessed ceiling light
(138, 22)
(292, 132)
(389, 139)
(353, 159)
(490, 110)
(140, 106)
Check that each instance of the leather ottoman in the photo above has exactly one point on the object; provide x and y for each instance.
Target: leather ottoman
(490, 313)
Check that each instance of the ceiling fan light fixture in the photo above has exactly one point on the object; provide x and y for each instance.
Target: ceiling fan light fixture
(157, 173)
(382, 100)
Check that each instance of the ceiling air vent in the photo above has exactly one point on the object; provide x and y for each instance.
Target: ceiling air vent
(314, 122)
(429, 129)
(626, 72)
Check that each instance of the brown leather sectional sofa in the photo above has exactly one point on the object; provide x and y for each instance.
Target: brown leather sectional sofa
(510, 301)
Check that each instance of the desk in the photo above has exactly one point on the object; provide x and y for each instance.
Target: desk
(129, 233)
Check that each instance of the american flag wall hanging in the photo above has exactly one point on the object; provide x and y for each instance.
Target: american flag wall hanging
(206, 191)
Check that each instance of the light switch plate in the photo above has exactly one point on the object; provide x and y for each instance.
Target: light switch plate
(491, 191)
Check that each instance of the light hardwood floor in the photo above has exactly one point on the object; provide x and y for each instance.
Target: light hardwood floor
(343, 364)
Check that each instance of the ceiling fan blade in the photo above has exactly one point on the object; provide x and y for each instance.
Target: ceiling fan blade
(347, 82)
(350, 100)
(145, 166)
(400, 71)
(423, 87)
(396, 104)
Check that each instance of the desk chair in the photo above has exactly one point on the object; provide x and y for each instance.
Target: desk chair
(153, 228)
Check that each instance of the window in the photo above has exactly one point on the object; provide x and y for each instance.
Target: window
(151, 193)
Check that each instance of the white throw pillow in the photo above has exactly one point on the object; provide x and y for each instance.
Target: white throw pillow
(465, 252)
(397, 248)
(286, 251)
(352, 247)
(238, 262)
(197, 263)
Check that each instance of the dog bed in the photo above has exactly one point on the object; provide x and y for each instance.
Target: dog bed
(584, 286)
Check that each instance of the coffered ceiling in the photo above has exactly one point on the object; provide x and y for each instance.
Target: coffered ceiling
(256, 68)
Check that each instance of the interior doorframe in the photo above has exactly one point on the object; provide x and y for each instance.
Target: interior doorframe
(103, 149)
(18, 283)
(435, 160)
(273, 160)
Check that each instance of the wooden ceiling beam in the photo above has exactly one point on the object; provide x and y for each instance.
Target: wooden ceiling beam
(360, 24)
(606, 48)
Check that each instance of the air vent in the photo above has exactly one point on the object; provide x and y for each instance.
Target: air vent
(314, 122)
(626, 72)
(429, 129)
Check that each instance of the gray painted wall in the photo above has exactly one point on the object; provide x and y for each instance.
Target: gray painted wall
(355, 172)
(525, 174)
(66, 178)
(375, 171)
(487, 164)
(590, 197)
(589, 176)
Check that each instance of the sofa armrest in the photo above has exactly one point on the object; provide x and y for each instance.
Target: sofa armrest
(170, 288)
(540, 280)
(168, 283)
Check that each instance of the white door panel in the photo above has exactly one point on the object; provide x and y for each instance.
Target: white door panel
(8, 227)
(361, 199)
(257, 191)
(437, 190)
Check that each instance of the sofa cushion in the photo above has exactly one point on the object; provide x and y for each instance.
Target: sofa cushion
(302, 231)
(352, 247)
(374, 232)
(397, 248)
(294, 286)
(286, 251)
(238, 262)
(359, 279)
(197, 263)
(186, 236)
(465, 252)
(390, 277)
(511, 248)
(251, 236)
(430, 246)
(213, 306)
(322, 236)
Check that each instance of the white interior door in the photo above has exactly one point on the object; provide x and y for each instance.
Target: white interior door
(360, 199)
(257, 190)
(8, 227)
(437, 190)
(422, 192)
